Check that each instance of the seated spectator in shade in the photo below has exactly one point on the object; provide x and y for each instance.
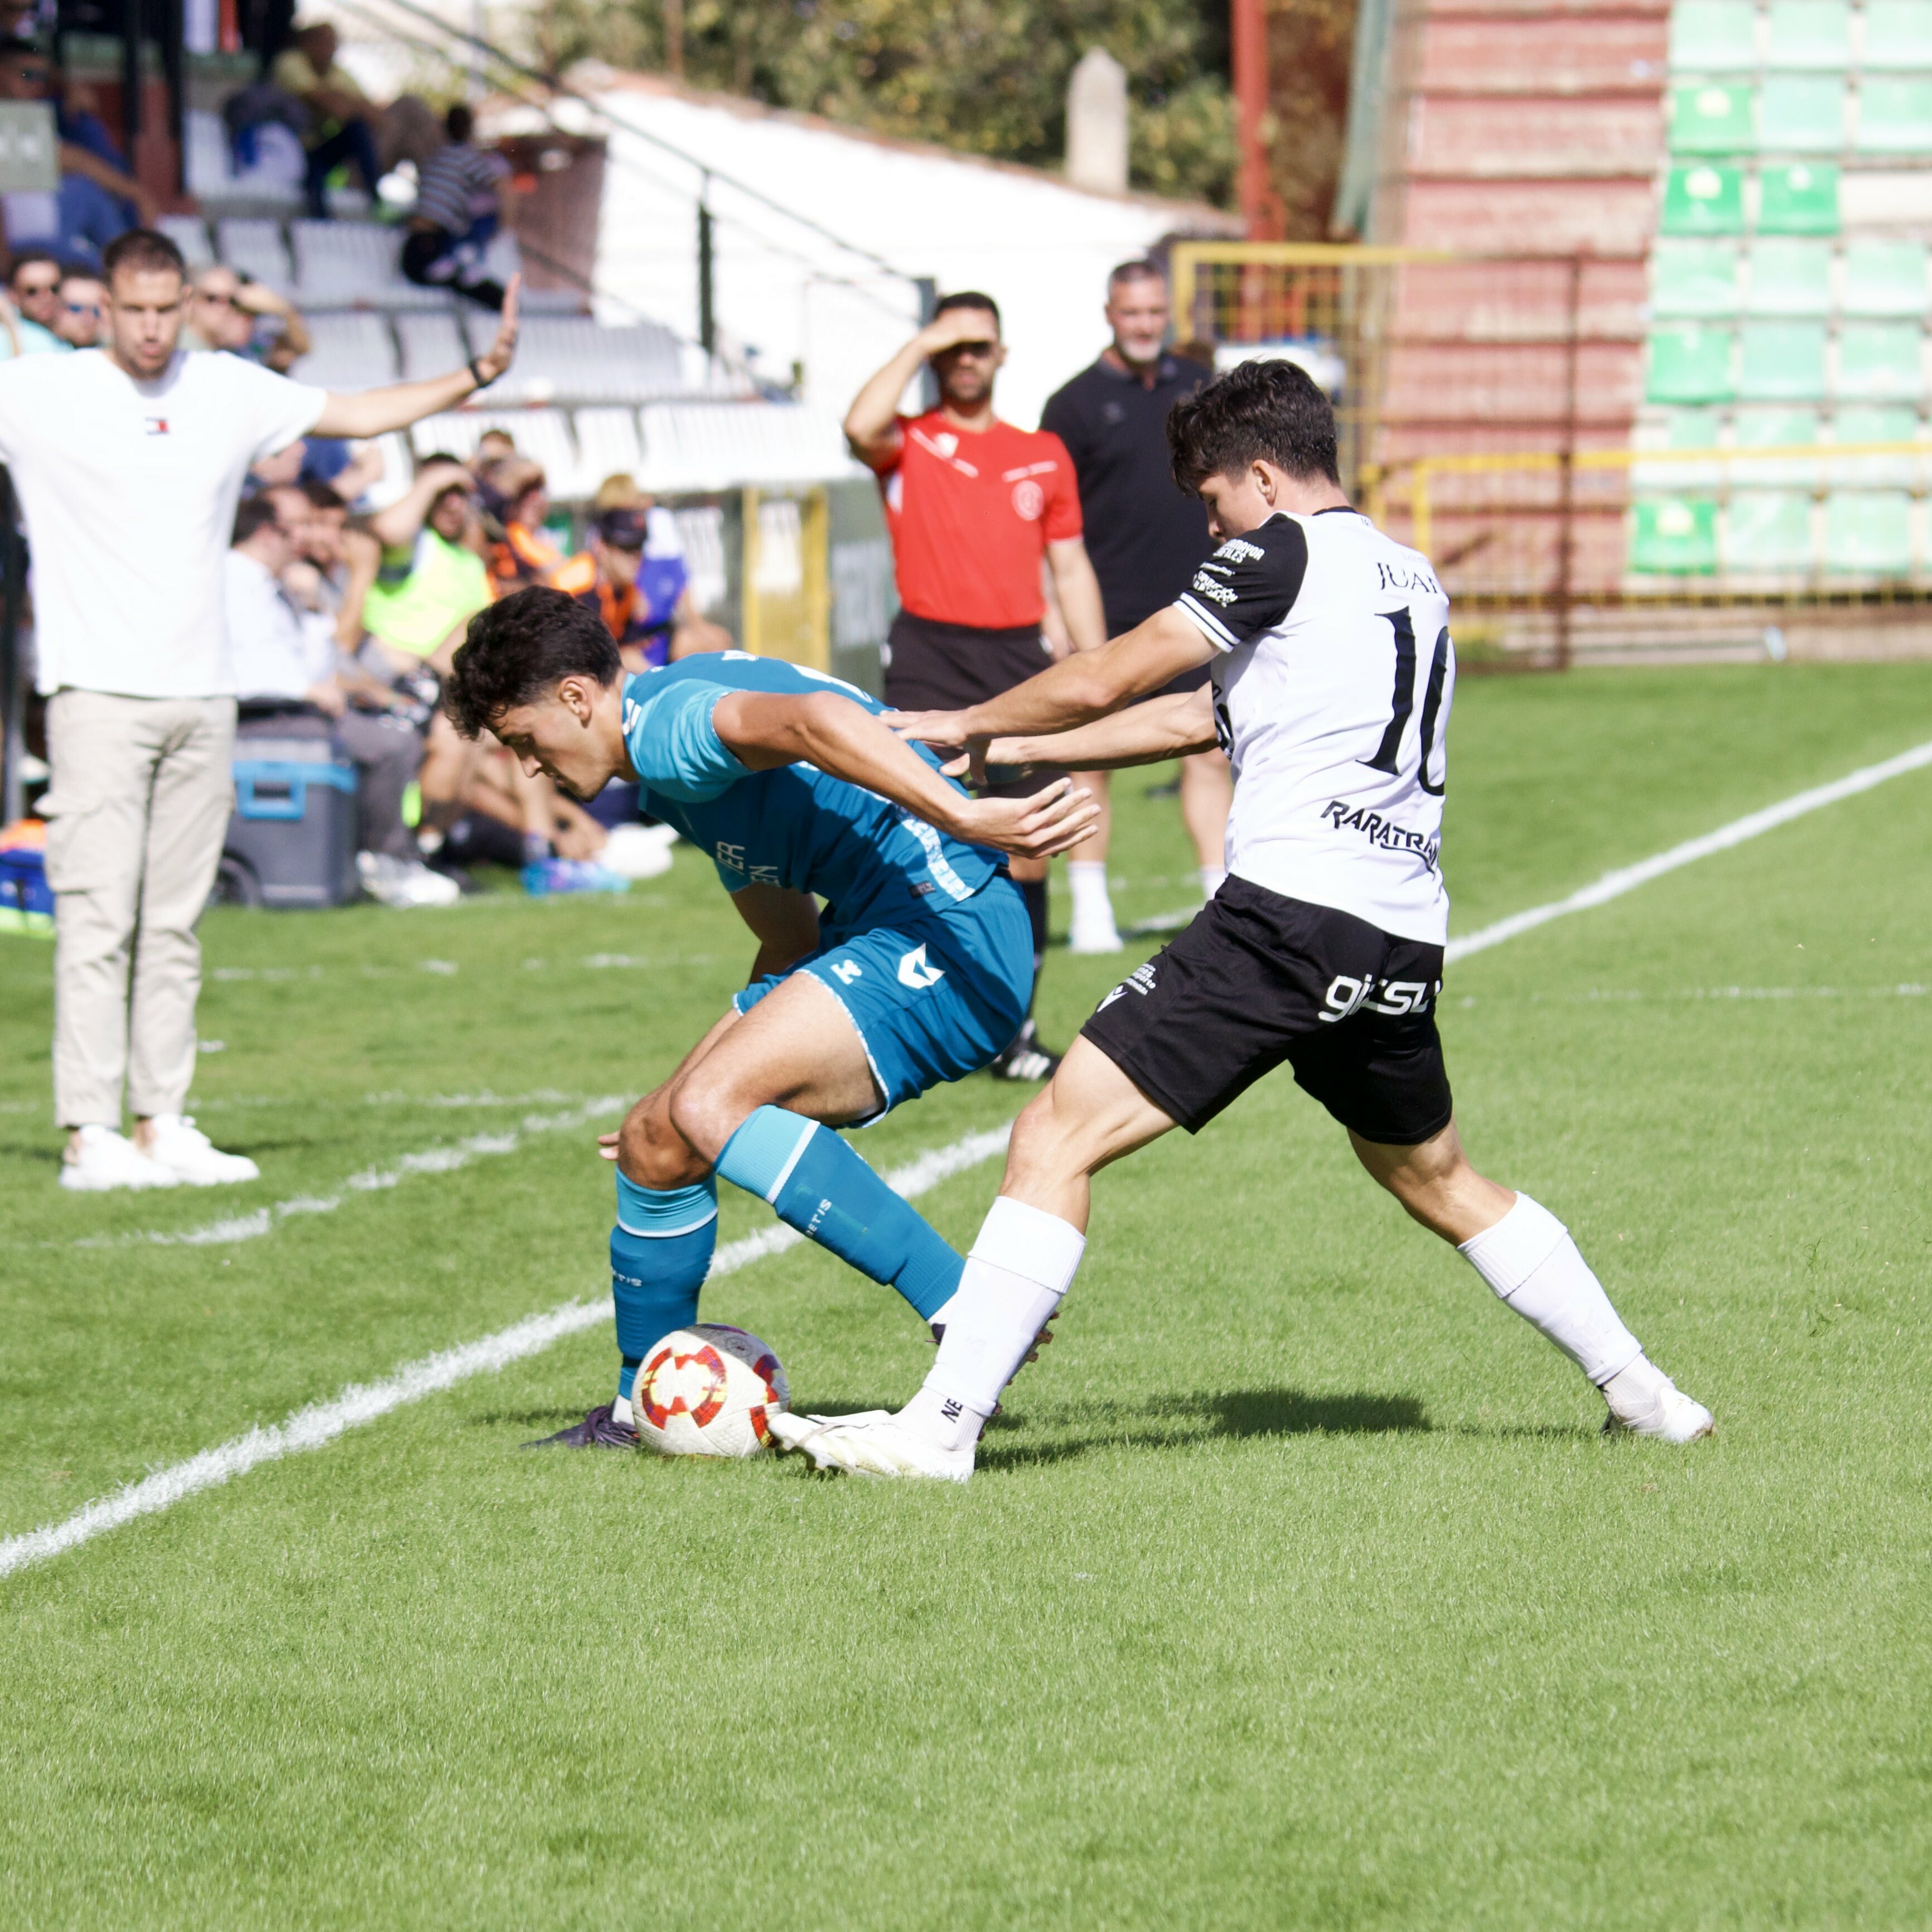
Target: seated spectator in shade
(421, 577)
(82, 322)
(523, 554)
(289, 685)
(271, 472)
(97, 198)
(248, 319)
(348, 468)
(33, 284)
(343, 120)
(633, 572)
(463, 196)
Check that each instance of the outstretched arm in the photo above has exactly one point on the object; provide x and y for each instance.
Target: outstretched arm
(764, 730)
(372, 412)
(1143, 734)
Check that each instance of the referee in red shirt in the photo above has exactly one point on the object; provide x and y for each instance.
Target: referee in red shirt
(974, 505)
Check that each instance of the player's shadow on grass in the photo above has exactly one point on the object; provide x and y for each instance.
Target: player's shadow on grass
(1059, 1434)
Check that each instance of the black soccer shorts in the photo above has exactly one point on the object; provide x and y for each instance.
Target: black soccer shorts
(1258, 979)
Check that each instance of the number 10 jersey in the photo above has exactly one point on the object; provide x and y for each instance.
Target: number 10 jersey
(1331, 699)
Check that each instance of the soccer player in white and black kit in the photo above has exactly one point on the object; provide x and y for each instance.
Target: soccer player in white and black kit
(1333, 676)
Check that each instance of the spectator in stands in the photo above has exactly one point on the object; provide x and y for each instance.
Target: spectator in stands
(247, 318)
(343, 120)
(424, 579)
(646, 607)
(33, 282)
(129, 462)
(97, 198)
(289, 685)
(523, 554)
(278, 467)
(82, 322)
(463, 196)
(492, 446)
(1145, 534)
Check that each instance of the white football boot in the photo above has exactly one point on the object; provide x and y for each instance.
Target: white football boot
(1644, 1401)
(177, 1144)
(98, 1159)
(872, 1444)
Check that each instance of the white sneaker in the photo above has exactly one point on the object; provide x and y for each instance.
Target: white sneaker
(1095, 935)
(1644, 1401)
(872, 1444)
(402, 884)
(177, 1144)
(101, 1159)
(638, 851)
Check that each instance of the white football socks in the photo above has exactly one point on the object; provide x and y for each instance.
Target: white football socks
(1531, 1261)
(1020, 1266)
(1211, 879)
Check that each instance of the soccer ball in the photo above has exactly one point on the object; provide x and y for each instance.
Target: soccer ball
(708, 1391)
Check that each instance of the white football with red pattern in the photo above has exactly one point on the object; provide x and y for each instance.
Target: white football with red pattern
(708, 1390)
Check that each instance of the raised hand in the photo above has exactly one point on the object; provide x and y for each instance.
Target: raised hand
(502, 352)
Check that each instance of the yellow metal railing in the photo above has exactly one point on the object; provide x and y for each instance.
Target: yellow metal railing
(1421, 470)
(1186, 260)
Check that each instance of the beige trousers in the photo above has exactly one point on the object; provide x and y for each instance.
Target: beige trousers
(141, 791)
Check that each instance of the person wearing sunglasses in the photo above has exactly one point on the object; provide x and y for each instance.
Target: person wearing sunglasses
(33, 287)
(82, 319)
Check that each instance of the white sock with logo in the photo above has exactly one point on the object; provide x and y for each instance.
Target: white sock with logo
(1531, 1261)
(1021, 1265)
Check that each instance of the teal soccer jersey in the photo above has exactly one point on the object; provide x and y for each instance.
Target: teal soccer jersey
(924, 940)
(869, 860)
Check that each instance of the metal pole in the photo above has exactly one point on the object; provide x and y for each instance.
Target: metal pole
(929, 303)
(707, 313)
(1566, 540)
(12, 688)
(174, 29)
(130, 80)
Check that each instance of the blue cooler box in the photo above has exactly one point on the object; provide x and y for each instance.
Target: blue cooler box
(292, 841)
(26, 905)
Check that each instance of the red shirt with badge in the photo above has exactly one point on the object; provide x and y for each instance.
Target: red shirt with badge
(971, 514)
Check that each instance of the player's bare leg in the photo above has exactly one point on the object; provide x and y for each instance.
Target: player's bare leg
(1527, 1256)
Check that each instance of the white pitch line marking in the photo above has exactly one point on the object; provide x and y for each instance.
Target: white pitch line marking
(1627, 878)
(321, 1423)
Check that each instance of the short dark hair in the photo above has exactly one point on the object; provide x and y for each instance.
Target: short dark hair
(1142, 268)
(254, 513)
(1272, 409)
(968, 298)
(321, 496)
(25, 258)
(519, 646)
(460, 123)
(143, 251)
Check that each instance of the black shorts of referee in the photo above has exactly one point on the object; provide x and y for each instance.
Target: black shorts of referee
(934, 667)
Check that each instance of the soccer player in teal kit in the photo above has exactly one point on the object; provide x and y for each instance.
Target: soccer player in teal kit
(918, 970)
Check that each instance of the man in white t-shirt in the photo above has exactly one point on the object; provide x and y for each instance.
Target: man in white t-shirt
(129, 461)
(1333, 676)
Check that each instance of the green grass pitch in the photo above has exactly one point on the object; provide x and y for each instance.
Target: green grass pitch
(1296, 1588)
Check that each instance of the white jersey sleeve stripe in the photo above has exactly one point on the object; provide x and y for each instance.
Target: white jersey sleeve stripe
(1204, 621)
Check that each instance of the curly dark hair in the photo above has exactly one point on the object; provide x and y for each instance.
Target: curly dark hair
(516, 649)
(1274, 410)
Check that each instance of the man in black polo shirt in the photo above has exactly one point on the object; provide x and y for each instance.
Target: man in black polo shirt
(1144, 534)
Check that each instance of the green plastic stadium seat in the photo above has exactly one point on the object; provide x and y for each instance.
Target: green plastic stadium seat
(1809, 34)
(1800, 198)
(1894, 116)
(1881, 361)
(1702, 200)
(1869, 423)
(1790, 278)
(1898, 33)
(1868, 530)
(1711, 117)
(1694, 278)
(1690, 363)
(1674, 536)
(1679, 429)
(1801, 114)
(1774, 429)
(1781, 361)
(1885, 278)
(1714, 36)
(1768, 529)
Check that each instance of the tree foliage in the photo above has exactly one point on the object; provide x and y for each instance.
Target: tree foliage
(988, 76)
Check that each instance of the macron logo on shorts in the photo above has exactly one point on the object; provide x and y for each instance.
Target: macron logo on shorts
(1140, 980)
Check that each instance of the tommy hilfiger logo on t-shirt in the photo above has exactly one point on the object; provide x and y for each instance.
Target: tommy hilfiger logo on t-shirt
(155, 425)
